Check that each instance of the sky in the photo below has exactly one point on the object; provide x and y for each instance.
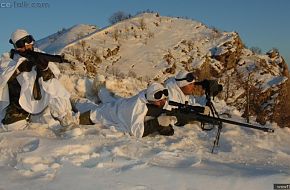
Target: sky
(260, 23)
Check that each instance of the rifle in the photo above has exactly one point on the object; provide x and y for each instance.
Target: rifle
(36, 57)
(40, 60)
(42, 57)
(189, 113)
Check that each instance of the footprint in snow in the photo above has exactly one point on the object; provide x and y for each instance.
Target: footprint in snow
(172, 159)
(31, 145)
(36, 166)
(139, 187)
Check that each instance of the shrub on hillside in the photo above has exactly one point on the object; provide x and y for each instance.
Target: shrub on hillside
(118, 16)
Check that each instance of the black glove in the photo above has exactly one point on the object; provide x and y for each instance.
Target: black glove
(181, 121)
(25, 66)
(166, 131)
(152, 126)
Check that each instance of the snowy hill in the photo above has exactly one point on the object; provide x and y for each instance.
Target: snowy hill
(55, 42)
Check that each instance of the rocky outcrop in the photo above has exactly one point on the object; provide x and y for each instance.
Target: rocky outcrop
(228, 53)
(265, 89)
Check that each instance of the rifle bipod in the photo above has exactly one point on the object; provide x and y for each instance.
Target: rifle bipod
(214, 113)
(217, 137)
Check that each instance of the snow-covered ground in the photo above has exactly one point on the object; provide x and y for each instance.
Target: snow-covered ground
(96, 157)
(60, 39)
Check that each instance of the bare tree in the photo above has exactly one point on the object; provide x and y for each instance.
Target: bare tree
(227, 85)
(145, 11)
(118, 16)
(132, 74)
(248, 88)
(142, 24)
(256, 50)
(273, 52)
(252, 93)
(115, 34)
(276, 50)
(82, 44)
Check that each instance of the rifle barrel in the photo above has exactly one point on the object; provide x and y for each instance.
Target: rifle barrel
(245, 124)
(216, 120)
(209, 119)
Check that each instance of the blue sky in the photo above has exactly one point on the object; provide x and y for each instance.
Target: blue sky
(260, 23)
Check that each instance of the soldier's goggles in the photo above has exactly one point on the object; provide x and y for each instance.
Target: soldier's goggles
(158, 95)
(24, 41)
(189, 78)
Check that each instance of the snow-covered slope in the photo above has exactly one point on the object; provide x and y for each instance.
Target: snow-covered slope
(55, 42)
(145, 42)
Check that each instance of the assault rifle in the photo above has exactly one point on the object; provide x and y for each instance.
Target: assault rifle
(41, 61)
(191, 113)
(37, 57)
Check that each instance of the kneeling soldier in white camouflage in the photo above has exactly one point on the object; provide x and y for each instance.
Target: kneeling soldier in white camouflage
(29, 84)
